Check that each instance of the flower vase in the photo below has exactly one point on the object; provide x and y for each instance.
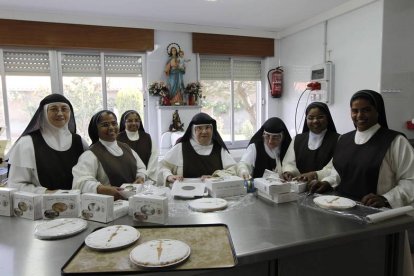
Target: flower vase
(191, 99)
(165, 101)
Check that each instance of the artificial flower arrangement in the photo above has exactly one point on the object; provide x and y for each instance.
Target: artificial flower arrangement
(158, 89)
(194, 88)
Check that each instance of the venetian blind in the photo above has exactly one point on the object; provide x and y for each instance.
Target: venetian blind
(26, 63)
(213, 69)
(88, 64)
(123, 65)
(81, 65)
(247, 70)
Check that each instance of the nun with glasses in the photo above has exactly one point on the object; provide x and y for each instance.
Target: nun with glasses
(108, 163)
(132, 133)
(309, 154)
(42, 158)
(266, 150)
(372, 164)
(200, 152)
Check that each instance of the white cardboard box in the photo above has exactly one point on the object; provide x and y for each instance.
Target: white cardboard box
(225, 186)
(97, 207)
(102, 208)
(27, 205)
(271, 186)
(6, 201)
(121, 208)
(61, 204)
(149, 208)
(278, 198)
(298, 187)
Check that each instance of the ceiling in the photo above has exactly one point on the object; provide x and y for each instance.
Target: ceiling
(264, 17)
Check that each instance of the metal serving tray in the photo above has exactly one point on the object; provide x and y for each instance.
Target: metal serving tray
(211, 248)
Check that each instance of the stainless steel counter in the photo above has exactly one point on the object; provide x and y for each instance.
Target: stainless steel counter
(283, 239)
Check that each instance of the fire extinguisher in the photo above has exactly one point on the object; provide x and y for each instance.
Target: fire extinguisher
(275, 78)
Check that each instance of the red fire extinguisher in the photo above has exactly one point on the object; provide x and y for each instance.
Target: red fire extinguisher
(275, 78)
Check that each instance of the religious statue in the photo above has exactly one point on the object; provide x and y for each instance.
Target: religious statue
(175, 70)
(176, 123)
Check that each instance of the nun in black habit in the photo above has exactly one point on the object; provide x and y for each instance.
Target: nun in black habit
(41, 160)
(266, 150)
(309, 154)
(109, 163)
(201, 152)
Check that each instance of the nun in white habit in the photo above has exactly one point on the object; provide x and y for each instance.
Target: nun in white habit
(42, 158)
(109, 163)
(201, 152)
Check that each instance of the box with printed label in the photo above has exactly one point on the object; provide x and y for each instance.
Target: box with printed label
(27, 205)
(149, 208)
(97, 207)
(61, 204)
(225, 186)
(6, 201)
(271, 186)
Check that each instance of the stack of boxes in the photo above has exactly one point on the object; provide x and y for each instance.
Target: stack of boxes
(225, 186)
(271, 188)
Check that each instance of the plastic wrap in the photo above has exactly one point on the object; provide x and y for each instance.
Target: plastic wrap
(358, 213)
(180, 208)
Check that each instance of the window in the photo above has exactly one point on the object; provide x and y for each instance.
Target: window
(91, 81)
(232, 88)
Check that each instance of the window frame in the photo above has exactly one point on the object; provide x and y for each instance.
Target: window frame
(56, 75)
(260, 96)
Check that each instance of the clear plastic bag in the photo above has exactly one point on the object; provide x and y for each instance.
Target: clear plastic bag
(357, 213)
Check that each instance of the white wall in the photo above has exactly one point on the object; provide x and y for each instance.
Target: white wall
(354, 42)
(397, 63)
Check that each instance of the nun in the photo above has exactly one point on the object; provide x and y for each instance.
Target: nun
(132, 133)
(309, 154)
(108, 163)
(266, 149)
(372, 164)
(200, 152)
(42, 158)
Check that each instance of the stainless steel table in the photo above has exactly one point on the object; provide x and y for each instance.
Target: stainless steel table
(283, 239)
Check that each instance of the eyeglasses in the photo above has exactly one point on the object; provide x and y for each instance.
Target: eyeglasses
(108, 124)
(317, 118)
(203, 128)
(275, 137)
(56, 110)
(132, 121)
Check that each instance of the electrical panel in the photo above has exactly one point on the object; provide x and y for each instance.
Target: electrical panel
(323, 74)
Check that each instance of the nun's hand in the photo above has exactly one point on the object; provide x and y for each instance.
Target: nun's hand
(319, 187)
(110, 190)
(307, 177)
(204, 177)
(139, 180)
(374, 200)
(287, 176)
(173, 178)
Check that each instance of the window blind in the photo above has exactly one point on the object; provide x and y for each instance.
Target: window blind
(246, 70)
(26, 63)
(81, 65)
(213, 69)
(87, 65)
(123, 65)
